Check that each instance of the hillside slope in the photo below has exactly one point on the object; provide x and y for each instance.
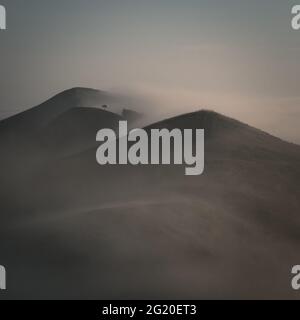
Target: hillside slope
(79, 230)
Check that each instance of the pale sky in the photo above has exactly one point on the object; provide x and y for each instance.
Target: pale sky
(237, 57)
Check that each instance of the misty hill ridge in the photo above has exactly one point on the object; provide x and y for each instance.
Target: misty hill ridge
(75, 130)
(44, 113)
(230, 137)
(72, 117)
(63, 214)
(209, 120)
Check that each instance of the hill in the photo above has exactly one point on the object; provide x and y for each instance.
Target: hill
(80, 230)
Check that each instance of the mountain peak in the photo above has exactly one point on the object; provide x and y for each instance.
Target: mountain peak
(43, 114)
(81, 97)
(230, 135)
(201, 119)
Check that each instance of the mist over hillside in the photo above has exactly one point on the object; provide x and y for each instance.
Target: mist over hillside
(70, 228)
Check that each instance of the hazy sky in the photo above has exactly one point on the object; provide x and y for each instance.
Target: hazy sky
(235, 56)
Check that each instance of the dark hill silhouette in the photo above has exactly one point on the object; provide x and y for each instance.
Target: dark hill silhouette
(25, 127)
(81, 230)
(65, 124)
(41, 115)
(232, 137)
(75, 130)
